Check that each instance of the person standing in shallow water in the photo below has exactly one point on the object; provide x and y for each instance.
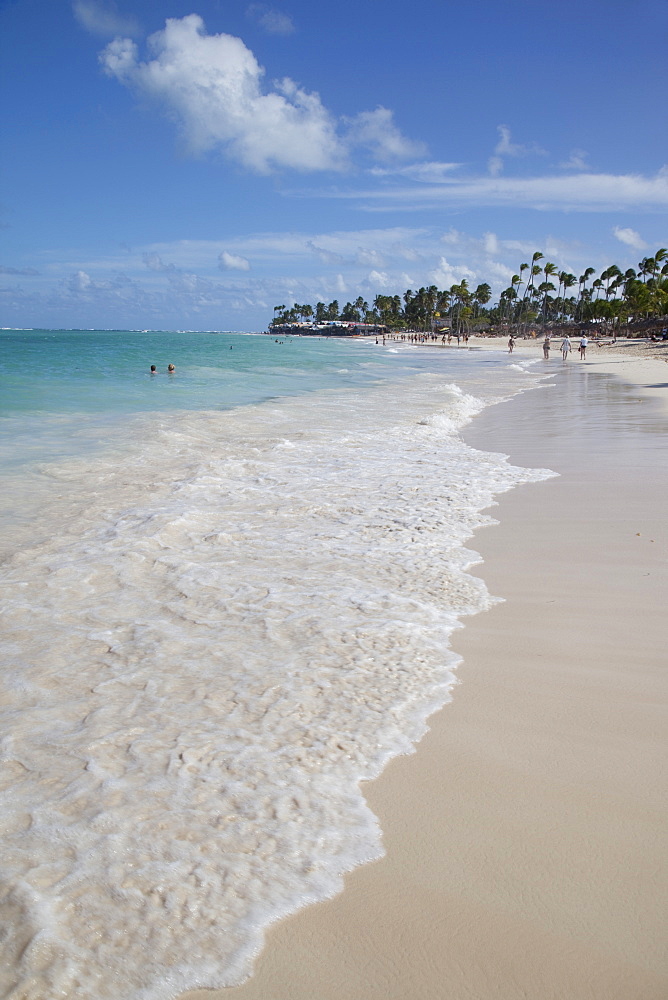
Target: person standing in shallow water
(546, 348)
(511, 344)
(583, 346)
(565, 348)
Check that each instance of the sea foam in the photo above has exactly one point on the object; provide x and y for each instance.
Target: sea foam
(211, 646)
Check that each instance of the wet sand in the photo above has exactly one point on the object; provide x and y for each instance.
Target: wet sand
(526, 838)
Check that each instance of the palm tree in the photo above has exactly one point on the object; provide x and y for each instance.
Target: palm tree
(609, 276)
(361, 306)
(647, 266)
(583, 293)
(534, 271)
(481, 296)
(549, 270)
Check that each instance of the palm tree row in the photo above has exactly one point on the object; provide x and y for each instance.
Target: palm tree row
(614, 296)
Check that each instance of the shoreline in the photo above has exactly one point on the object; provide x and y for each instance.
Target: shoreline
(523, 837)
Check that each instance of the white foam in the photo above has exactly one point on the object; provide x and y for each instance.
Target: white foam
(214, 644)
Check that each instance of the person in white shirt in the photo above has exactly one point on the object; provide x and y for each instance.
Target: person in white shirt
(583, 346)
(565, 348)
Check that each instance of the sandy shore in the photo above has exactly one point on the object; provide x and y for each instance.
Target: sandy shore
(637, 361)
(526, 839)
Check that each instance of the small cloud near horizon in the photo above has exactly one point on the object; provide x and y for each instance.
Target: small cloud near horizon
(232, 262)
(18, 270)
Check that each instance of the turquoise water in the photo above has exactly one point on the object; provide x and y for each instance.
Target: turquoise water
(67, 391)
(108, 371)
(226, 599)
(71, 392)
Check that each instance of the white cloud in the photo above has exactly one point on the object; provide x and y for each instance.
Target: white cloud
(273, 21)
(376, 131)
(140, 289)
(103, 19)
(212, 86)
(326, 256)
(233, 262)
(427, 173)
(574, 192)
(154, 262)
(24, 271)
(369, 257)
(120, 58)
(446, 274)
(378, 279)
(505, 147)
(495, 269)
(452, 237)
(490, 243)
(191, 284)
(630, 237)
(576, 161)
(80, 282)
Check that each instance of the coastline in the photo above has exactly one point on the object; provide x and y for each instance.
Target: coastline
(523, 837)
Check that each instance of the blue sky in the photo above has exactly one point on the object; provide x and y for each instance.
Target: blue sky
(190, 166)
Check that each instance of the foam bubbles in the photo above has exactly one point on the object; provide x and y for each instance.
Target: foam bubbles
(218, 638)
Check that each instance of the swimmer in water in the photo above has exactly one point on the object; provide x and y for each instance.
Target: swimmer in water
(154, 370)
(171, 369)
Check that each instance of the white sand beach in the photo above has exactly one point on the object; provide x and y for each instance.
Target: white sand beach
(526, 837)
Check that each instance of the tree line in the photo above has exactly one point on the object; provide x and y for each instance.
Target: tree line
(538, 293)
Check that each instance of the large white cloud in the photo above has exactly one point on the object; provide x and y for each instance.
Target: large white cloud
(212, 85)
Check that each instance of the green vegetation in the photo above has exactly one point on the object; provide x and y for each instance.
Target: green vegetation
(614, 298)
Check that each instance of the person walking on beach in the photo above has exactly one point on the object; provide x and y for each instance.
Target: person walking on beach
(511, 344)
(583, 346)
(565, 348)
(546, 347)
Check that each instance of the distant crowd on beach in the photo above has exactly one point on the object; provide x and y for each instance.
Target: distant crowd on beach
(462, 337)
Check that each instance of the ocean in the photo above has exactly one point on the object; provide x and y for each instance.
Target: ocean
(227, 598)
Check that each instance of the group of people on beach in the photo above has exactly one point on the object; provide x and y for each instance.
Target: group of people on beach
(566, 346)
(170, 370)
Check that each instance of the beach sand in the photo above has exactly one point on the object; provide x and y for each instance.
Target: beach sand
(526, 837)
